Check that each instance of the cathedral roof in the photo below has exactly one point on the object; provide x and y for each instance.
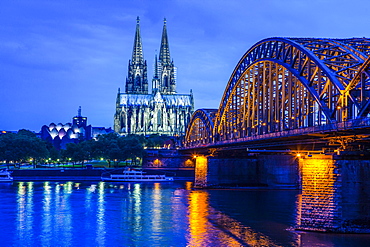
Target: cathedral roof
(135, 99)
(177, 100)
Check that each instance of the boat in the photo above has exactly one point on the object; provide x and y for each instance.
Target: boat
(5, 176)
(134, 175)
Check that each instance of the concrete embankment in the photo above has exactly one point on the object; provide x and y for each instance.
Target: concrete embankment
(62, 174)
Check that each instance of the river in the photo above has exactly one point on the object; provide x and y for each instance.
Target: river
(153, 214)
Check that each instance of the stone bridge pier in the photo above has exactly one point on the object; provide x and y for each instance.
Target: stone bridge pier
(334, 189)
(335, 194)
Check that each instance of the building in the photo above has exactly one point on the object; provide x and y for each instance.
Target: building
(161, 111)
(62, 134)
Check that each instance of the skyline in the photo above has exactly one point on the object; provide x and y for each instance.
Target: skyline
(57, 56)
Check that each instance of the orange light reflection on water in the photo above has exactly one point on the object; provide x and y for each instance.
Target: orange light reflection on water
(157, 208)
(209, 227)
(198, 222)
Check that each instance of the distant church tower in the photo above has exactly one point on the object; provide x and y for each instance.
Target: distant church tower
(137, 80)
(162, 111)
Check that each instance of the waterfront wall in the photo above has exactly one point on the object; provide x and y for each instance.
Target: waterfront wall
(57, 174)
(274, 171)
(167, 158)
(78, 174)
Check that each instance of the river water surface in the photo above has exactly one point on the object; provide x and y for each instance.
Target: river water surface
(153, 214)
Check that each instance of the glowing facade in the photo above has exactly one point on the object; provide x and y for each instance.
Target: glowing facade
(162, 111)
(62, 134)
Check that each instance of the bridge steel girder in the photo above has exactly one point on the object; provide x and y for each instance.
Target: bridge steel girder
(360, 85)
(200, 127)
(314, 82)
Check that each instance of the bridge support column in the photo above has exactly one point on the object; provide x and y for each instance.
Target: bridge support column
(201, 171)
(335, 194)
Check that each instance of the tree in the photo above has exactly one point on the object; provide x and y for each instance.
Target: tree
(131, 147)
(107, 148)
(22, 147)
(158, 141)
(116, 148)
(54, 154)
(78, 153)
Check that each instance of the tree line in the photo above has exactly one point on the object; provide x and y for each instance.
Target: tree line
(25, 147)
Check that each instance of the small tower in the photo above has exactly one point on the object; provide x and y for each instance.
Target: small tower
(136, 81)
(156, 80)
(118, 100)
(79, 120)
(117, 116)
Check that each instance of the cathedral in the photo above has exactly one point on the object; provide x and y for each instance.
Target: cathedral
(159, 111)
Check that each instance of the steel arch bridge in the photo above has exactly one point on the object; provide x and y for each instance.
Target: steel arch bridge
(290, 85)
(200, 130)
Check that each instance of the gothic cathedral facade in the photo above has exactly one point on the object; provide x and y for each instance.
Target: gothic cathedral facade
(161, 111)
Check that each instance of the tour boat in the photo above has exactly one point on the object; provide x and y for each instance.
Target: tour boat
(5, 176)
(134, 175)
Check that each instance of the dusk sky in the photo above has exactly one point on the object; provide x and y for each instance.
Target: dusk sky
(58, 55)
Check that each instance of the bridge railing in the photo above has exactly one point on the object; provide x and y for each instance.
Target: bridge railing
(332, 127)
(353, 124)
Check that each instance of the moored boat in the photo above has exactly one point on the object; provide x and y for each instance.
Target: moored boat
(5, 176)
(134, 175)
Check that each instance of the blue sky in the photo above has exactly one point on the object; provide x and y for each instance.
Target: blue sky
(58, 55)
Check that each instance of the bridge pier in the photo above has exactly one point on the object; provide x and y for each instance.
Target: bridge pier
(335, 189)
(273, 171)
(335, 194)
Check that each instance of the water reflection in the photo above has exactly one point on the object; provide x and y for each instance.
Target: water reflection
(198, 222)
(152, 214)
(209, 226)
(101, 232)
(25, 212)
(136, 196)
(156, 208)
(46, 216)
(62, 213)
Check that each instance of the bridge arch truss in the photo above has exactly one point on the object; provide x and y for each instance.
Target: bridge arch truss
(200, 129)
(292, 83)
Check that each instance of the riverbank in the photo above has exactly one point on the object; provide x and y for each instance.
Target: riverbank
(83, 174)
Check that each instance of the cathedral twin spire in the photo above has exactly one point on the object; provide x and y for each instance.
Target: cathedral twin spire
(164, 79)
(137, 54)
(162, 111)
(164, 53)
(137, 81)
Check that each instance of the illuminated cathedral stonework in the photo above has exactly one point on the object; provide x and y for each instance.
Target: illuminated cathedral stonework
(162, 111)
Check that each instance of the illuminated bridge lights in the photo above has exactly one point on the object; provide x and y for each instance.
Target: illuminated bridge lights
(288, 85)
